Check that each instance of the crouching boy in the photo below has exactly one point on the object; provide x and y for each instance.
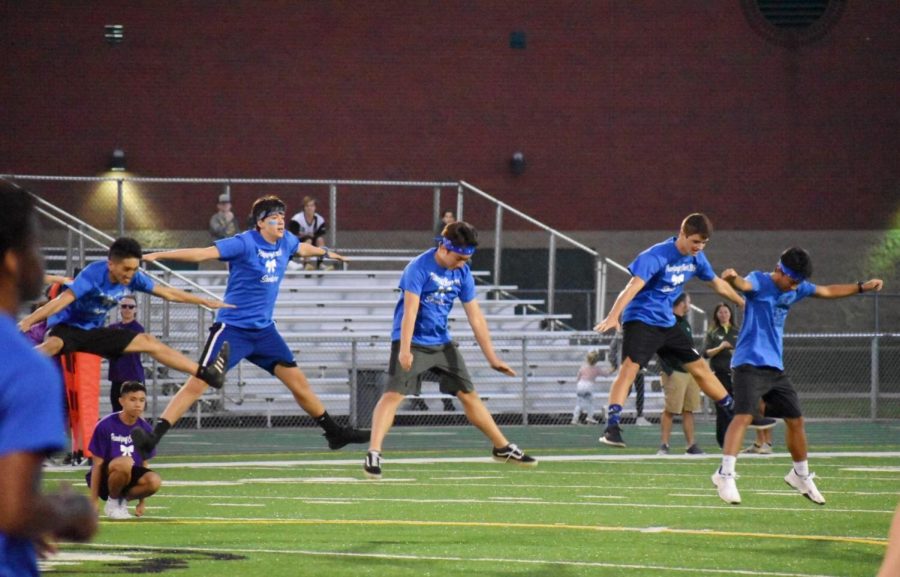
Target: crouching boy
(118, 473)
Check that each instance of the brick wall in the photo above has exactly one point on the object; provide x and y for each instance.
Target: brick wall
(629, 114)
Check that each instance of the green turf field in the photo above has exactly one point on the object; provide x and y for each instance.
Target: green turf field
(274, 503)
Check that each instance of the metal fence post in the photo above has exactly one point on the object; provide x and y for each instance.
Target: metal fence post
(332, 204)
(120, 195)
(459, 202)
(551, 278)
(873, 380)
(354, 385)
(438, 211)
(498, 230)
(524, 380)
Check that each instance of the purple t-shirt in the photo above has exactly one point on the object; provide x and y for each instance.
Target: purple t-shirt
(127, 367)
(112, 439)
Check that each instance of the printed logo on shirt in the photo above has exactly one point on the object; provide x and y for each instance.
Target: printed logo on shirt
(444, 287)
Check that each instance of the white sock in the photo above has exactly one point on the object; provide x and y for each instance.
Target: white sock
(801, 468)
(728, 463)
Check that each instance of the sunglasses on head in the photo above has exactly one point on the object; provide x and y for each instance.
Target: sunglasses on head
(128, 306)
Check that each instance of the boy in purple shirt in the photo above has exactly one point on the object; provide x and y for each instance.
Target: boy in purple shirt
(118, 473)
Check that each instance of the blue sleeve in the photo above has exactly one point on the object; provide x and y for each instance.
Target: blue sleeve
(230, 248)
(142, 282)
(467, 290)
(293, 242)
(753, 279)
(805, 289)
(705, 270)
(83, 283)
(413, 279)
(645, 266)
(31, 411)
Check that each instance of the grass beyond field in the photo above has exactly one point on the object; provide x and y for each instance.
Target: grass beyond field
(584, 511)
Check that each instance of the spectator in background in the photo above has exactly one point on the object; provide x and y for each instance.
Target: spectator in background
(447, 217)
(311, 228)
(680, 389)
(584, 388)
(31, 409)
(223, 224)
(718, 347)
(126, 367)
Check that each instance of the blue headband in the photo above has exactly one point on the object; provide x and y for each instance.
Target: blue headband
(463, 250)
(794, 275)
(268, 213)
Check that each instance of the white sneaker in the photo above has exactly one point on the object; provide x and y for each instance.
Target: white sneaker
(117, 509)
(642, 422)
(591, 421)
(726, 487)
(805, 485)
(574, 422)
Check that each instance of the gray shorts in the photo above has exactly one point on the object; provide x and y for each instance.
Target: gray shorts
(769, 384)
(443, 360)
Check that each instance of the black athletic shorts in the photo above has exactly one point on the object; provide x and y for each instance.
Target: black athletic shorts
(769, 384)
(641, 341)
(136, 474)
(104, 342)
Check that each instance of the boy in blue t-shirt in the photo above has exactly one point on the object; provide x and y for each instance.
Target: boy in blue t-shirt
(257, 261)
(76, 317)
(644, 310)
(32, 424)
(420, 341)
(118, 473)
(758, 368)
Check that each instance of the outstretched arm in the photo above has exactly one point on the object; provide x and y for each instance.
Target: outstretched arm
(179, 296)
(628, 293)
(837, 291)
(483, 336)
(725, 289)
(307, 250)
(185, 254)
(51, 308)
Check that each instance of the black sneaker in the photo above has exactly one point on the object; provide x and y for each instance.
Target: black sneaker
(345, 436)
(612, 436)
(214, 374)
(143, 441)
(372, 465)
(513, 454)
(693, 450)
(762, 423)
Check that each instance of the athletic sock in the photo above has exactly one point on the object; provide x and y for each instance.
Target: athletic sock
(326, 422)
(727, 402)
(801, 468)
(728, 463)
(613, 413)
(161, 428)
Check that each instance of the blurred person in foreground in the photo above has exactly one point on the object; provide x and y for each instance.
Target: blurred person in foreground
(32, 424)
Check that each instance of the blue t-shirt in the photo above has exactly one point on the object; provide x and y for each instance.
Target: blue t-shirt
(95, 295)
(437, 288)
(256, 269)
(760, 342)
(664, 271)
(31, 421)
